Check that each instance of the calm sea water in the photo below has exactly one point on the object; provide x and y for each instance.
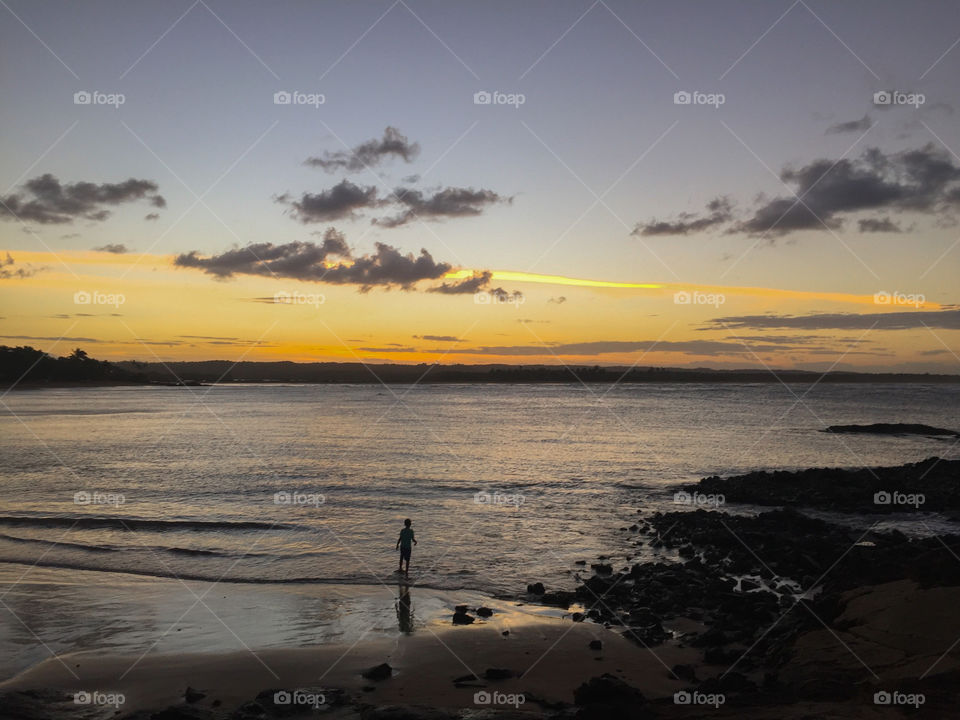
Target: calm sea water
(505, 484)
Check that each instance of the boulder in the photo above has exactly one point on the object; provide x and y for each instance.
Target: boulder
(378, 672)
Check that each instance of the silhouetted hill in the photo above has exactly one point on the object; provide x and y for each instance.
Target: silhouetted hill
(354, 372)
(30, 366)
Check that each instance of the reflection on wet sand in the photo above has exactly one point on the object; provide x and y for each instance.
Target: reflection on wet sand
(404, 609)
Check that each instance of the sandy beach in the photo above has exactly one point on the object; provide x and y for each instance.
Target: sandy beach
(548, 654)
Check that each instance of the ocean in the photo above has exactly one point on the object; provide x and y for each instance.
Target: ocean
(283, 487)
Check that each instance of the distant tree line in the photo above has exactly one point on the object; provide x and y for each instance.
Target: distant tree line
(29, 365)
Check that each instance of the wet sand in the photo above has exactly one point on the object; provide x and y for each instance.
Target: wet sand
(551, 656)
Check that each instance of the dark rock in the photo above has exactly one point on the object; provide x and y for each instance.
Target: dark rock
(559, 598)
(840, 489)
(249, 711)
(484, 612)
(893, 429)
(468, 681)
(596, 645)
(577, 617)
(536, 588)
(192, 696)
(647, 635)
(378, 672)
(607, 696)
(602, 568)
(460, 617)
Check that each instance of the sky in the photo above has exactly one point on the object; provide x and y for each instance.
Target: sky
(726, 184)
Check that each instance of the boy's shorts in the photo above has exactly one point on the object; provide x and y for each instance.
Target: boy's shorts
(405, 553)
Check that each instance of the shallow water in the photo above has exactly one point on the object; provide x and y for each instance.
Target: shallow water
(182, 482)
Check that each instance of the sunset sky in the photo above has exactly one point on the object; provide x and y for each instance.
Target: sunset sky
(786, 216)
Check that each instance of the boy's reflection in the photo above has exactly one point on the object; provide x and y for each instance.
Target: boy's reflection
(404, 611)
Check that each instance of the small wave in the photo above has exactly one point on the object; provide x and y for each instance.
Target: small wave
(62, 544)
(193, 552)
(140, 523)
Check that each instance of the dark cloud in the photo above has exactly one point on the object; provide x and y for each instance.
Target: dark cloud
(152, 216)
(437, 338)
(340, 201)
(906, 320)
(54, 339)
(873, 225)
(925, 180)
(300, 260)
(558, 300)
(603, 347)
(330, 262)
(8, 271)
(915, 180)
(116, 248)
(505, 296)
(391, 349)
(45, 200)
(473, 284)
(719, 211)
(782, 339)
(448, 202)
(368, 154)
(850, 126)
(387, 267)
(206, 337)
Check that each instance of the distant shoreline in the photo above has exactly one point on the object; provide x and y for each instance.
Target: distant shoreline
(224, 373)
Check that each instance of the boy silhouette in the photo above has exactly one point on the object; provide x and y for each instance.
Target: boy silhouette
(403, 543)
